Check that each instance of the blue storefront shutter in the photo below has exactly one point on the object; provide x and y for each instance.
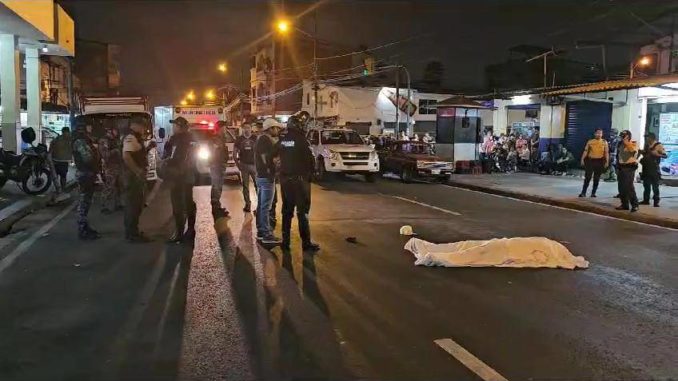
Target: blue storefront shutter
(583, 118)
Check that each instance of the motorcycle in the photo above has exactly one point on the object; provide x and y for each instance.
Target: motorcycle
(31, 170)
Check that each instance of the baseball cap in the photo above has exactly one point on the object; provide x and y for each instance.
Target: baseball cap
(270, 122)
(180, 121)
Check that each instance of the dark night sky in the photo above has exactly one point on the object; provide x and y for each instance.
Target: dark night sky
(171, 46)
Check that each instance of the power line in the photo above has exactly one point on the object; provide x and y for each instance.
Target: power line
(371, 49)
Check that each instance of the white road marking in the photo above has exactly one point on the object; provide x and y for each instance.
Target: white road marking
(478, 367)
(25, 245)
(428, 206)
(562, 208)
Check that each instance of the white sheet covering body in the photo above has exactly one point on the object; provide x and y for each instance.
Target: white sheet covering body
(499, 252)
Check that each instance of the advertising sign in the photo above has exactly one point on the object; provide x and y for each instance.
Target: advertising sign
(668, 136)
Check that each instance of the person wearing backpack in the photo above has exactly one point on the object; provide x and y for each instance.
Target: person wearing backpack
(652, 155)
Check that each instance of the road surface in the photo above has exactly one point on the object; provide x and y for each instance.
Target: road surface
(229, 309)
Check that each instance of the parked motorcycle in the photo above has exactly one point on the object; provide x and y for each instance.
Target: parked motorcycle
(31, 170)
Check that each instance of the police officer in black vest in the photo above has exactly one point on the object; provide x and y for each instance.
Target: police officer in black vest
(296, 168)
(134, 156)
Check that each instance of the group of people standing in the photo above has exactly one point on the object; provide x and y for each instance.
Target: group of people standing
(623, 154)
(277, 155)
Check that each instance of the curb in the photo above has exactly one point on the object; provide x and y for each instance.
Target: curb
(36, 203)
(603, 211)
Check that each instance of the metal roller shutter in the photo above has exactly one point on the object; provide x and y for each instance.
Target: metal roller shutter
(583, 118)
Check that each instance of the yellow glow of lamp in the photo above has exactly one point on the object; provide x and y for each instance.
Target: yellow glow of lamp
(183, 102)
(222, 67)
(644, 61)
(190, 96)
(283, 26)
(210, 94)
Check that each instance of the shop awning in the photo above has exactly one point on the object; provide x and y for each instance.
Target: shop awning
(460, 102)
(616, 85)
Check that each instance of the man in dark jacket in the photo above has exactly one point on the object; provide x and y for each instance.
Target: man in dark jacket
(178, 157)
(652, 155)
(296, 168)
(217, 166)
(88, 165)
(134, 156)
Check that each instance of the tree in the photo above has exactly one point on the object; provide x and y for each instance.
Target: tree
(433, 75)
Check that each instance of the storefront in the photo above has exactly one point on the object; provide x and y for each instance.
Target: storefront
(662, 120)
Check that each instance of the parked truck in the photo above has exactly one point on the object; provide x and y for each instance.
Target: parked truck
(116, 112)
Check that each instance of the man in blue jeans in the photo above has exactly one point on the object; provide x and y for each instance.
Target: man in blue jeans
(263, 158)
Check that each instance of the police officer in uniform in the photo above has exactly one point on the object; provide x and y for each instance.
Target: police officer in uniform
(217, 165)
(178, 157)
(296, 168)
(88, 165)
(134, 179)
(627, 161)
(111, 156)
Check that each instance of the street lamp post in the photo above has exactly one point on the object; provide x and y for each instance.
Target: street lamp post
(644, 61)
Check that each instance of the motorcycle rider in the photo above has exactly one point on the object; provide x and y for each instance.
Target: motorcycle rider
(110, 150)
(296, 168)
(88, 164)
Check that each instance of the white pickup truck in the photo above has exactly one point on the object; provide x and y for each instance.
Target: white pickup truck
(341, 150)
(105, 112)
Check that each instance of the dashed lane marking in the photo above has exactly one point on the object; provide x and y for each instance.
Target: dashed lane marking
(6, 262)
(470, 361)
(428, 206)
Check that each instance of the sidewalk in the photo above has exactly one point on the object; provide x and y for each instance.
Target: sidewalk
(15, 204)
(564, 191)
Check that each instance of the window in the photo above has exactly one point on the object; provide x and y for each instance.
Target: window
(341, 137)
(308, 99)
(427, 106)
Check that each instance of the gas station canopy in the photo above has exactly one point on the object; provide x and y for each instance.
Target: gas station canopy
(38, 23)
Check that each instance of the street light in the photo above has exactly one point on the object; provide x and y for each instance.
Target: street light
(190, 96)
(210, 95)
(183, 102)
(642, 62)
(222, 67)
(283, 26)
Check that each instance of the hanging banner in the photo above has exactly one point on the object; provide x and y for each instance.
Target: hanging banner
(402, 102)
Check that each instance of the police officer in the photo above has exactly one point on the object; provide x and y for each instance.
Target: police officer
(135, 160)
(178, 158)
(627, 160)
(217, 166)
(111, 157)
(243, 154)
(652, 155)
(88, 165)
(296, 168)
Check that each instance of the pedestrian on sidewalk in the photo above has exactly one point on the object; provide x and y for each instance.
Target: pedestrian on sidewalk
(181, 175)
(296, 168)
(111, 156)
(595, 159)
(243, 154)
(134, 156)
(652, 155)
(627, 159)
(219, 151)
(88, 165)
(62, 153)
(265, 167)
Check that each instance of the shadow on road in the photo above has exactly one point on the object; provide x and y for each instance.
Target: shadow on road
(284, 314)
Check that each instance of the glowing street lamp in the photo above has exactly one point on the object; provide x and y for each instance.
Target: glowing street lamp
(283, 26)
(190, 96)
(642, 62)
(222, 67)
(210, 95)
(183, 102)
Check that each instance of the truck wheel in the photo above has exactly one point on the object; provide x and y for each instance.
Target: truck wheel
(320, 172)
(370, 177)
(406, 175)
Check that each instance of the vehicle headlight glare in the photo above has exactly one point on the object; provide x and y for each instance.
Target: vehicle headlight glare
(203, 153)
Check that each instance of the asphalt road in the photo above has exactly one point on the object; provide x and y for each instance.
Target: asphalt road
(229, 309)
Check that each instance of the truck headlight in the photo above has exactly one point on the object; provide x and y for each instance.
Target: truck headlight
(373, 155)
(332, 155)
(203, 153)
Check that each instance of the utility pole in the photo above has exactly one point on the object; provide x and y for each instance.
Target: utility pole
(397, 101)
(315, 67)
(409, 92)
